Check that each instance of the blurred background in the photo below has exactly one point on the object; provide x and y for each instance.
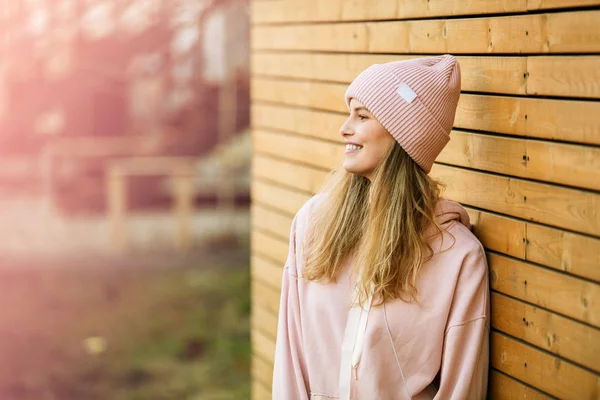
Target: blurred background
(124, 199)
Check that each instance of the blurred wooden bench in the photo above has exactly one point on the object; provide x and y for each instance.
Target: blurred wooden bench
(62, 158)
(181, 170)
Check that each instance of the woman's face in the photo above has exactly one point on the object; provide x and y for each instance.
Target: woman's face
(367, 141)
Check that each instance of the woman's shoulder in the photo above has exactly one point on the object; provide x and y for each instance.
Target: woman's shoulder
(309, 206)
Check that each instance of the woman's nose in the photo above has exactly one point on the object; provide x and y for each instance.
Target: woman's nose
(345, 130)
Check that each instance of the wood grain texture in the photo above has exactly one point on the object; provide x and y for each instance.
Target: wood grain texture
(506, 75)
(566, 164)
(562, 32)
(565, 76)
(281, 11)
(548, 204)
(542, 370)
(549, 331)
(549, 4)
(567, 251)
(555, 291)
(577, 76)
(503, 387)
(340, 10)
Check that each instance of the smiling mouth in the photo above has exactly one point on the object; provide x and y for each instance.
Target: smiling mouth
(352, 148)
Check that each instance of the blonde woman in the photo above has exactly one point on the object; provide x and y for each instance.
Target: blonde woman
(385, 290)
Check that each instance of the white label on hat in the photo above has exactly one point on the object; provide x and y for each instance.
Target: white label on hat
(407, 93)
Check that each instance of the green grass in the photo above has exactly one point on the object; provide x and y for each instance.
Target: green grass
(172, 331)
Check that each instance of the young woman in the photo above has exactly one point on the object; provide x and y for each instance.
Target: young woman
(385, 290)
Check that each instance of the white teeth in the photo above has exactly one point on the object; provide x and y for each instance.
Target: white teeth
(353, 147)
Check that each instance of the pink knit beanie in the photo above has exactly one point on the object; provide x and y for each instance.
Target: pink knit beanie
(415, 100)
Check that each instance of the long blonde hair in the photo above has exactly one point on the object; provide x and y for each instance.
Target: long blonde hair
(383, 221)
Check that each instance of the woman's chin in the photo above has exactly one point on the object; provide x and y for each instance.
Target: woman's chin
(352, 169)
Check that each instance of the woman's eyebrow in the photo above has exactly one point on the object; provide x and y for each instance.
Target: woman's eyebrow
(360, 108)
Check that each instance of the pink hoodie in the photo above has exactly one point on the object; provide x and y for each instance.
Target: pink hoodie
(437, 350)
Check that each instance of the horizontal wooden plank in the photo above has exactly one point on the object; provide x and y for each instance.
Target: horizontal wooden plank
(556, 334)
(506, 75)
(263, 346)
(340, 10)
(289, 201)
(267, 219)
(318, 95)
(281, 171)
(555, 291)
(316, 153)
(262, 371)
(499, 233)
(503, 387)
(266, 271)
(561, 207)
(265, 295)
(264, 318)
(264, 12)
(568, 164)
(565, 120)
(566, 251)
(259, 391)
(549, 4)
(564, 76)
(542, 370)
(561, 32)
(548, 204)
(312, 123)
(269, 246)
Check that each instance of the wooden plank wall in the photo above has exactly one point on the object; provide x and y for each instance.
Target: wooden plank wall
(524, 159)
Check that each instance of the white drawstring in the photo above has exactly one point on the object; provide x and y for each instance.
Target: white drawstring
(352, 343)
(395, 354)
(360, 335)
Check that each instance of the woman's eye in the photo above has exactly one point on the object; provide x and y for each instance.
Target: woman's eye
(363, 117)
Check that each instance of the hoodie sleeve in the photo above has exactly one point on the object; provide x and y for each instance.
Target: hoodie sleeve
(290, 380)
(465, 359)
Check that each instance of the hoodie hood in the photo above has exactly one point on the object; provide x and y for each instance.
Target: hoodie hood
(448, 212)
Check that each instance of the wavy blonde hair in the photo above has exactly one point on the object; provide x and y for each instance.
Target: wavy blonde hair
(383, 221)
